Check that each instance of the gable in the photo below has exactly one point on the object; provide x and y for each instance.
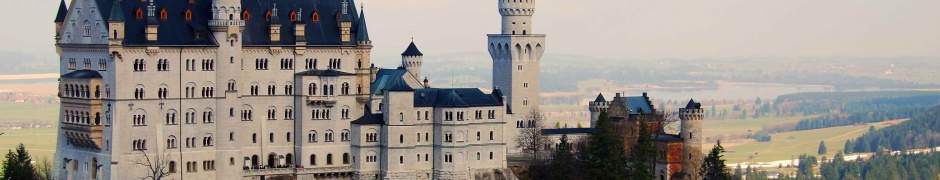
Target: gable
(84, 24)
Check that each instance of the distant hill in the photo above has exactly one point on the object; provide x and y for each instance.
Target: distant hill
(23, 63)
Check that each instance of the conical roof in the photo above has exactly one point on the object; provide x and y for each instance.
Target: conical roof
(693, 105)
(60, 16)
(116, 14)
(412, 50)
(600, 98)
(363, 32)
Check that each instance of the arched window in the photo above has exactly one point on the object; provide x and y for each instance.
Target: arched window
(401, 138)
(188, 15)
(329, 159)
(246, 15)
(345, 158)
(313, 159)
(491, 135)
(163, 14)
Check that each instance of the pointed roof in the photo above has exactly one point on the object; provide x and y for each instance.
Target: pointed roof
(116, 14)
(363, 32)
(693, 105)
(399, 84)
(412, 50)
(600, 98)
(60, 17)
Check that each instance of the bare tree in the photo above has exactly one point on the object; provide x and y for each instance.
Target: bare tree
(44, 169)
(158, 167)
(530, 138)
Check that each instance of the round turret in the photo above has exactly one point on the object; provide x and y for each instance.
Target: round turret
(412, 59)
(691, 133)
(517, 16)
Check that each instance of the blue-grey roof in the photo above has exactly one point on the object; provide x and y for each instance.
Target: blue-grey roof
(693, 105)
(60, 15)
(638, 103)
(398, 84)
(457, 97)
(600, 98)
(369, 118)
(568, 131)
(175, 30)
(412, 50)
(384, 79)
(362, 33)
(328, 72)
(116, 14)
(82, 74)
(323, 32)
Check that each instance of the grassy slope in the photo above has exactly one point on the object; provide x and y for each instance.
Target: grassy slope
(802, 142)
(41, 141)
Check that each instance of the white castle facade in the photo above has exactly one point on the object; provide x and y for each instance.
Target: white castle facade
(179, 83)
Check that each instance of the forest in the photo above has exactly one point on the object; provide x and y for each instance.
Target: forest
(921, 131)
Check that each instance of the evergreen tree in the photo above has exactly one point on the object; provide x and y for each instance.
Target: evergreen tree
(713, 168)
(18, 165)
(848, 147)
(605, 158)
(822, 148)
(738, 174)
(564, 164)
(757, 102)
(643, 154)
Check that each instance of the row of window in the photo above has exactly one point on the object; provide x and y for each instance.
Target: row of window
(80, 91)
(328, 136)
(77, 117)
(140, 144)
(102, 64)
(207, 65)
(525, 124)
(328, 89)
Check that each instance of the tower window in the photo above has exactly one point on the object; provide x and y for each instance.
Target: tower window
(267, 15)
(316, 17)
(139, 14)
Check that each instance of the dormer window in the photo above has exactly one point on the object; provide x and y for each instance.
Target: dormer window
(163, 14)
(192, 1)
(293, 16)
(188, 15)
(267, 15)
(316, 17)
(139, 14)
(246, 15)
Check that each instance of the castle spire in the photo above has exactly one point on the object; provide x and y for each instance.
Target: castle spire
(363, 33)
(116, 13)
(60, 16)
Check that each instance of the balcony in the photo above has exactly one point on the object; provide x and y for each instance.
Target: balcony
(82, 135)
(226, 23)
(269, 171)
(328, 101)
(327, 170)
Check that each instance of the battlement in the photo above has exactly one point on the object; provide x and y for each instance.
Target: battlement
(523, 5)
(691, 114)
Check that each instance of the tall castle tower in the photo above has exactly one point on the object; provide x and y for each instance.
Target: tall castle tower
(596, 107)
(516, 54)
(691, 134)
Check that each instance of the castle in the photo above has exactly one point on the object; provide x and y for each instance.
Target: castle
(679, 155)
(177, 85)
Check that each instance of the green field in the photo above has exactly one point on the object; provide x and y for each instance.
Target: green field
(39, 141)
(26, 112)
(791, 144)
(738, 126)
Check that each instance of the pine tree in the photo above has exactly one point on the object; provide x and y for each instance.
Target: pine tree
(18, 165)
(848, 147)
(643, 153)
(713, 168)
(605, 158)
(822, 148)
(564, 164)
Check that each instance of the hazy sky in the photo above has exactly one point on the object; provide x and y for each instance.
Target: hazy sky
(614, 28)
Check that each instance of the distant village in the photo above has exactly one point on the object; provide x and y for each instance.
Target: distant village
(31, 98)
